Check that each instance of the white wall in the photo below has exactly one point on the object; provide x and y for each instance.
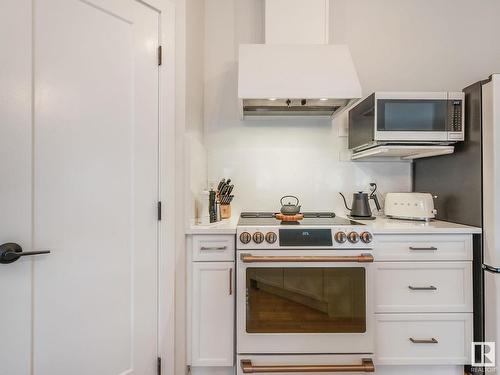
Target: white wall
(195, 152)
(396, 45)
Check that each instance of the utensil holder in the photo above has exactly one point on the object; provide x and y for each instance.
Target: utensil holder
(225, 211)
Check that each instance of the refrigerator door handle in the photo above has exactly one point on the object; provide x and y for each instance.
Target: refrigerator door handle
(491, 269)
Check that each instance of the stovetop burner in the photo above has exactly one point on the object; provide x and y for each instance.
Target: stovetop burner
(310, 218)
(273, 214)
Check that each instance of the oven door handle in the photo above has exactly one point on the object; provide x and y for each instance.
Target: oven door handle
(362, 258)
(248, 368)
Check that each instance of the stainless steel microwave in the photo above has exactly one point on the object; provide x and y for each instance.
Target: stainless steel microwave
(407, 118)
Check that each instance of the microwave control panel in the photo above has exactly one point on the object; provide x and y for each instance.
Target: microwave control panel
(455, 115)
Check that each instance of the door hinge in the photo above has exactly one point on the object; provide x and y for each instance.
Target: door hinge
(159, 211)
(158, 366)
(159, 55)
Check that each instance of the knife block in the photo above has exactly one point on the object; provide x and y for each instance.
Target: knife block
(225, 211)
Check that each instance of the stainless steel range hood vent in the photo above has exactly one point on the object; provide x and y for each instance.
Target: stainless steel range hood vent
(292, 107)
(296, 80)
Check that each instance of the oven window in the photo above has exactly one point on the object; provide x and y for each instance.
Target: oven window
(411, 115)
(306, 300)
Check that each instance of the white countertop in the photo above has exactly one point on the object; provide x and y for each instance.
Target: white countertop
(381, 225)
(227, 226)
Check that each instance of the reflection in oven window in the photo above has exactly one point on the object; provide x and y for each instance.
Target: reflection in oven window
(306, 300)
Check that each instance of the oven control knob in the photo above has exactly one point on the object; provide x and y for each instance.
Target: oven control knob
(258, 237)
(245, 237)
(340, 237)
(353, 237)
(271, 237)
(366, 237)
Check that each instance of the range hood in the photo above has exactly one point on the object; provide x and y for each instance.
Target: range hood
(296, 80)
(296, 72)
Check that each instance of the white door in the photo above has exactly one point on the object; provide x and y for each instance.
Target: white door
(79, 168)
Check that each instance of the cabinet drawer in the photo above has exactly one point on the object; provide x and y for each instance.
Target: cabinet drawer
(422, 247)
(423, 287)
(423, 339)
(213, 248)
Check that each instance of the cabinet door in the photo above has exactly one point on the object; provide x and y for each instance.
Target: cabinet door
(213, 314)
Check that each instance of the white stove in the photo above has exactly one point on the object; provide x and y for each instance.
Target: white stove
(304, 287)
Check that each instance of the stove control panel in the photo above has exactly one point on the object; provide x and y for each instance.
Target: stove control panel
(295, 238)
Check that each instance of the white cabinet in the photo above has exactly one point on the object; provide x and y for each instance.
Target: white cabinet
(211, 301)
(213, 314)
(423, 299)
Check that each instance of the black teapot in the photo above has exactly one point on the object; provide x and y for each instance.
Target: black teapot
(289, 208)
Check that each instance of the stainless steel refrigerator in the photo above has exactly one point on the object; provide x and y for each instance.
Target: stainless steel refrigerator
(467, 184)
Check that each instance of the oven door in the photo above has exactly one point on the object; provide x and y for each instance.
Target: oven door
(304, 301)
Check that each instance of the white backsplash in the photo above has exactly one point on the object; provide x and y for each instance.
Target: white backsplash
(266, 161)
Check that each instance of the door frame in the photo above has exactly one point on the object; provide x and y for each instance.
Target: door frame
(166, 190)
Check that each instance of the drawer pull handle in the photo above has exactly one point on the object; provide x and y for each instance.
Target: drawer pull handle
(248, 368)
(424, 341)
(422, 287)
(231, 281)
(430, 248)
(214, 248)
